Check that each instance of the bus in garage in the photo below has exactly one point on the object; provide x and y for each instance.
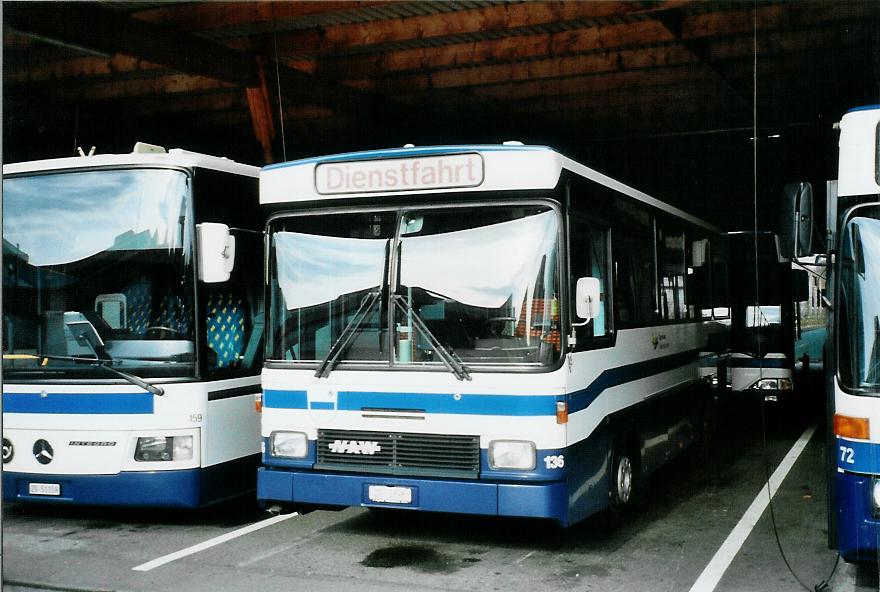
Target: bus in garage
(852, 356)
(131, 341)
(764, 317)
(482, 329)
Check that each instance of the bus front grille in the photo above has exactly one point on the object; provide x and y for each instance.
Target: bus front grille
(398, 453)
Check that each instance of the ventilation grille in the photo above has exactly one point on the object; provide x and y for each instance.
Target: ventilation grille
(441, 455)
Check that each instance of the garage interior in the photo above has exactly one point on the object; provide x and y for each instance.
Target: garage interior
(701, 104)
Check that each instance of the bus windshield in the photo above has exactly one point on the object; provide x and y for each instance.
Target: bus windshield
(97, 263)
(860, 302)
(418, 287)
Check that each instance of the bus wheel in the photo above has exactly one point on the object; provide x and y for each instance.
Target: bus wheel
(625, 481)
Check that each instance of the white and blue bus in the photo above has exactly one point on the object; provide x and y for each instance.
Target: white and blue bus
(764, 316)
(852, 356)
(132, 345)
(477, 329)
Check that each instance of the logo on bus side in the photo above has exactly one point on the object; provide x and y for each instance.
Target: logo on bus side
(43, 452)
(8, 451)
(658, 340)
(354, 447)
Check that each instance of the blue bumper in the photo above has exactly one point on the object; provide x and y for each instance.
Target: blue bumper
(857, 526)
(174, 489)
(533, 500)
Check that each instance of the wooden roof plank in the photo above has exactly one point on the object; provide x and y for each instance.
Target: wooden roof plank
(533, 70)
(93, 26)
(500, 17)
(582, 40)
(202, 16)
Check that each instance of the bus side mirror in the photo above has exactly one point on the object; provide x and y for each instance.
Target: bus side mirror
(800, 285)
(216, 252)
(796, 225)
(587, 298)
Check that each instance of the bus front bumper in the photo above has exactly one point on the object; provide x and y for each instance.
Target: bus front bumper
(173, 489)
(857, 525)
(532, 500)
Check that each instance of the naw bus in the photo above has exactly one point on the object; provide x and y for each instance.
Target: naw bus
(764, 317)
(132, 344)
(480, 329)
(852, 354)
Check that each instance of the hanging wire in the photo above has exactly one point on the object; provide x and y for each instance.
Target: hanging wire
(823, 585)
(280, 105)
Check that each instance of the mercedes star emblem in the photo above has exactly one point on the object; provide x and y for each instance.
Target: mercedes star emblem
(43, 452)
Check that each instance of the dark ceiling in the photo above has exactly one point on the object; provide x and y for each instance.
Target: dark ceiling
(709, 105)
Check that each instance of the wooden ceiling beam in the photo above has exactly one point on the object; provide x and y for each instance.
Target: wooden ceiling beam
(637, 81)
(584, 40)
(89, 25)
(599, 63)
(22, 71)
(202, 16)
(692, 28)
(500, 17)
(158, 86)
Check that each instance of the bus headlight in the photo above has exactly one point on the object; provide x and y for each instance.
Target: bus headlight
(512, 454)
(773, 384)
(161, 448)
(289, 444)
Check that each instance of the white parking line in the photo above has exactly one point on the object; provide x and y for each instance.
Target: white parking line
(212, 542)
(724, 556)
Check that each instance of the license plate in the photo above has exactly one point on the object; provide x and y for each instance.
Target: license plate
(44, 489)
(389, 495)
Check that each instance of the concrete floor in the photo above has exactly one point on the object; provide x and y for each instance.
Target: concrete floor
(692, 506)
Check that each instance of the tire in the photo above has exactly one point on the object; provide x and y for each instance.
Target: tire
(625, 481)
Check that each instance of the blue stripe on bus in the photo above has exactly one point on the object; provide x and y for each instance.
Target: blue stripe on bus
(759, 363)
(79, 403)
(406, 152)
(480, 404)
(864, 108)
(465, 404)
(858, 456)
(613, 377)
(285, 399)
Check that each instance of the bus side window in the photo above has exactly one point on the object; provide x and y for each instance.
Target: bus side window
(589, 258)
(671, 260)
(635, 287)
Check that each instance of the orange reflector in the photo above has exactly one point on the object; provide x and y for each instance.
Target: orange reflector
(258, 402)
(561, 412)
(852, 427)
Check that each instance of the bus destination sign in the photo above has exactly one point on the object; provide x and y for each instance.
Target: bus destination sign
(401, 174)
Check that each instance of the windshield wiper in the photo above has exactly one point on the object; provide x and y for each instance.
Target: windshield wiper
(360, 316)
(101, 362)
(452, 361)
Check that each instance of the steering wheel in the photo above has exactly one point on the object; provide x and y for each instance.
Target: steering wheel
(160, 332)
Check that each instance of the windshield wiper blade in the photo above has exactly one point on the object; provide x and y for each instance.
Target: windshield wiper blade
(452, 361)
(360, 316)
(101, 362)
